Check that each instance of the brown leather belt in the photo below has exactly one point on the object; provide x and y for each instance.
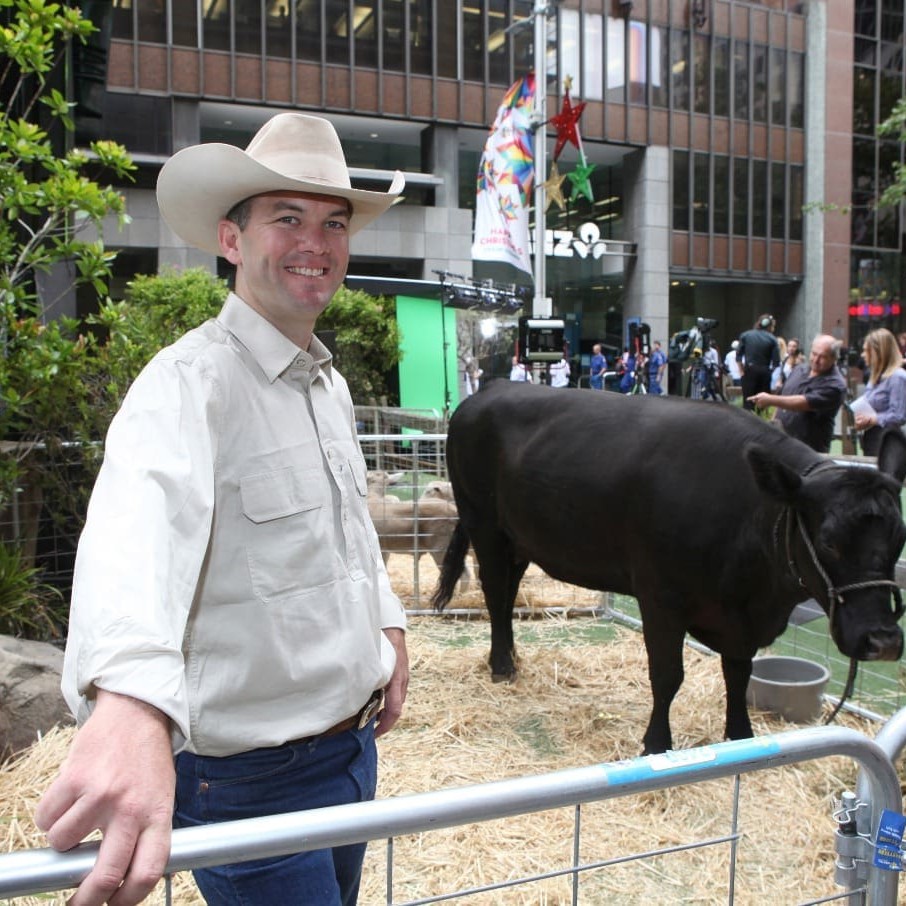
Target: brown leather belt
(358, 721)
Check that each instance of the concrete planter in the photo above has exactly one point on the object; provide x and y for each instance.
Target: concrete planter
(789, 686)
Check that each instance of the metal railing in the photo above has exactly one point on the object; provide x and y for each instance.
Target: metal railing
(40, 871)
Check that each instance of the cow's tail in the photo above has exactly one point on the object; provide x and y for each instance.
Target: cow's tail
(454, 562)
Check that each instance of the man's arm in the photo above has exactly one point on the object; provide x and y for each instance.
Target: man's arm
(396, 689)
(796, 403)
(118, 778)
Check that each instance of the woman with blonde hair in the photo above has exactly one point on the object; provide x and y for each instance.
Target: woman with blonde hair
(886, 389)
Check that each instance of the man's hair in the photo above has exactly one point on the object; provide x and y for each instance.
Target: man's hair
(240, 213)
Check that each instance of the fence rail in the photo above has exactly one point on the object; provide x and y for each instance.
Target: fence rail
(41, 871)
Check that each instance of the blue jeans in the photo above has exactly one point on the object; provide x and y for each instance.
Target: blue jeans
(326, 771)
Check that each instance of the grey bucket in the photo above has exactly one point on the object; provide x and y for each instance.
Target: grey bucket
(789, 686)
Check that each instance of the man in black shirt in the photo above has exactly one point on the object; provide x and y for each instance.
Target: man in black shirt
(758, 355)
(811, 397)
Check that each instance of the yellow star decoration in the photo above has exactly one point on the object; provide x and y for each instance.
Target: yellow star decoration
(553, 189)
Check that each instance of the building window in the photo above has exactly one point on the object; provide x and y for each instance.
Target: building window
(702, 73)
(308, 30)
(592, 58)
(421, 39)
(448, 41)
(660, 67)
(795, 89)
(216, 24)
(701, 207)
(888, 219)
(778, 201)
(759, 198)
(741, 81)
(721, 61)
(473, 40)
(123, 26)
(680, 190)
(248, 26)
(797, 198)
(778, 86)
(616, 60)
(721, 204)
(741, 196)
(866, 18)
(638, 62)
(680, 68)
(498, 45)
(759, 83)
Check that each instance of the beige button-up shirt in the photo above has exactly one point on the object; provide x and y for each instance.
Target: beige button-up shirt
(229, 573)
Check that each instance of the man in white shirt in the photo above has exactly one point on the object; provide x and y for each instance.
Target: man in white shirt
(558, 372)
(230, 605)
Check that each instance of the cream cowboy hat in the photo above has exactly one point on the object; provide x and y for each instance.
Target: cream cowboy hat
(199, 185)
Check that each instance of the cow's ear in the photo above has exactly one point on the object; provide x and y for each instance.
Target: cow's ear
(775, 478)
(892, 454)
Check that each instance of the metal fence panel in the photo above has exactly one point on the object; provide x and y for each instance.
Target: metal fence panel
(39, 871)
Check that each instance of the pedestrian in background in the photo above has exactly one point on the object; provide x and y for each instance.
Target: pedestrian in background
(757, 355)
(885, 393)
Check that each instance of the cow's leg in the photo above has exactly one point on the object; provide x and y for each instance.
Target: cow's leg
(664, 644)
(500, 574)
(736, 679)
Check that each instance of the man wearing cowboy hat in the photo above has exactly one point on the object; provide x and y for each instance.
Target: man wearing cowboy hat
(230, 605)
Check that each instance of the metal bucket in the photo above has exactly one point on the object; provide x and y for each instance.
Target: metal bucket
(789, 686)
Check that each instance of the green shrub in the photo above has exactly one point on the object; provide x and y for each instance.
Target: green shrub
(28, 607)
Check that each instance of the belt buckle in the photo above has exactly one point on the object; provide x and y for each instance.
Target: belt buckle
(375, 704)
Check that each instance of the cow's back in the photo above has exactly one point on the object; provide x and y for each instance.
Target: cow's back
(593, 486)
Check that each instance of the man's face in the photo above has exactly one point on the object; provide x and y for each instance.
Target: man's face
(291, 256)
(821, 358)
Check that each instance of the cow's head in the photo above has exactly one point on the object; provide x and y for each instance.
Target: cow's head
(843, 529)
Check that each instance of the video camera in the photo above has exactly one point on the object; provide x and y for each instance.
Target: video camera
(694, 341)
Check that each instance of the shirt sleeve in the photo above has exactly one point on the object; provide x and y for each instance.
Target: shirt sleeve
(895, 413)
(142, 549)
(824, 395)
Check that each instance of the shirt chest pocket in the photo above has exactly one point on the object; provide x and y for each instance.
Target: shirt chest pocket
(288, 531)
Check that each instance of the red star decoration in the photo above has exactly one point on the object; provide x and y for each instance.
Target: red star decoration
(566, 122)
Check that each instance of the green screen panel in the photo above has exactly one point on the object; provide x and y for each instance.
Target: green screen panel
(427, 328)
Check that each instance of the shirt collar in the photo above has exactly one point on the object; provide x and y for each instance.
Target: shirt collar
(273, 351)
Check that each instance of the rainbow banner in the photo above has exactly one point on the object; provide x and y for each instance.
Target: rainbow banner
(505, 177)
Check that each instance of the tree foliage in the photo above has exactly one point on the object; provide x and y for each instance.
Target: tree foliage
(46, 197)
(367, 341)
(895, 127)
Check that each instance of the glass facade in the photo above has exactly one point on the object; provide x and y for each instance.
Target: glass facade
(725, 97)
(876, 265)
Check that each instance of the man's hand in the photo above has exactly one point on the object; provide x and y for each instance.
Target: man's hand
(118, 778)
(763, 400)
(395, 690)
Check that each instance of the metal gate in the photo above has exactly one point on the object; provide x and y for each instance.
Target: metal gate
(39, 871)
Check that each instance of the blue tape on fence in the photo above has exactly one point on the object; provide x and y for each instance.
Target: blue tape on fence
(688, 761)
(888, 849)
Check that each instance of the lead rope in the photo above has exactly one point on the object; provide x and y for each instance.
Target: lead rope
(833, 596)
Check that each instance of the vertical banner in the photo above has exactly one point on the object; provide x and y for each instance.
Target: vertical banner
(505, 181)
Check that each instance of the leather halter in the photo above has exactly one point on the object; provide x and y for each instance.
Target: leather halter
(834, 593)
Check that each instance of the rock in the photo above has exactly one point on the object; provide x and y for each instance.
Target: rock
(30, 699)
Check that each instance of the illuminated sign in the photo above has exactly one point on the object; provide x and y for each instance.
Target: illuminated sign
(870, 309)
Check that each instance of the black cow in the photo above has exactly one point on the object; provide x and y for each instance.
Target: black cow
(716, 521)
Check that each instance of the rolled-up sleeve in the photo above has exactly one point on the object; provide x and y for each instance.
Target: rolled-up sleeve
(894, 415)
(143, 546)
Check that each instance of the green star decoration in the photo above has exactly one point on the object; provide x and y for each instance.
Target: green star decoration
(580, 180)
(553, 189)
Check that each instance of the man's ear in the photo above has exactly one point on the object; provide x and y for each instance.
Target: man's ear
(228, 237)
